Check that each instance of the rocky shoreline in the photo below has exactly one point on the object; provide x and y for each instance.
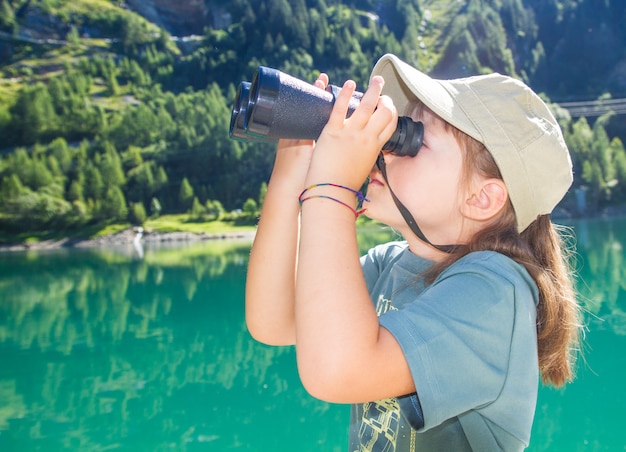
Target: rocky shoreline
(129, 236)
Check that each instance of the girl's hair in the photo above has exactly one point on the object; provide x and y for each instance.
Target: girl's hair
(542, 250)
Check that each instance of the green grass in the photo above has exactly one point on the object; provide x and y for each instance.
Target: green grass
(182, 223)
(86, 232)
(163, 224)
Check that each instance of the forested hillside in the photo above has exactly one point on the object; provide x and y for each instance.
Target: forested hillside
(114, 111)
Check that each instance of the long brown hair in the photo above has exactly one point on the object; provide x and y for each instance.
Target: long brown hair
(542, 249)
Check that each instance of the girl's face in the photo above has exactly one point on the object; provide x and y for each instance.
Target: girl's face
(427, 184)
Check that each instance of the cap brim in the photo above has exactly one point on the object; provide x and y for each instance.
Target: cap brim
(404, 84)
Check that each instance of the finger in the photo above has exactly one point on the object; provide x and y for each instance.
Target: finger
(373, 93)
(324, 79)
(340, 109)
(387, 114)
(293, 142)
(369, 101)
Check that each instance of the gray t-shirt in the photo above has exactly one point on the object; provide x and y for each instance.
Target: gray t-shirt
(471, 343)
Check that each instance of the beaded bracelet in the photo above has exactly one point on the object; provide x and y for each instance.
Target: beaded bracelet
(359, 196)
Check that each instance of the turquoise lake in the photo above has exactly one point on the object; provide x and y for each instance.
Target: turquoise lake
(112, 349)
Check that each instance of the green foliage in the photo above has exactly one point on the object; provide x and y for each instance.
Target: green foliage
(7, 16)
(113, 206)
(573, 31)
(137, 123)
(599, 163)
(155, 208)
(32, 211)
(137, 214)
(478, 43)
(11, 188)
(185, 194)
(214, 209)
(250, 207)
(197, 210)
(262, 193)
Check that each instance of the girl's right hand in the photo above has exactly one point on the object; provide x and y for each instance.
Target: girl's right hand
(294, 156)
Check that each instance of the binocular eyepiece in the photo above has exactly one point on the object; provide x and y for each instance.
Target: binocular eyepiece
(276, 105)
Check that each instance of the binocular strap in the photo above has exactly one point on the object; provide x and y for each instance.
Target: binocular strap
(406, 214)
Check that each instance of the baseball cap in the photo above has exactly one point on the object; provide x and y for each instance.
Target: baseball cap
(504, 114)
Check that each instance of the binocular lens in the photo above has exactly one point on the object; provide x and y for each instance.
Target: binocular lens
(406, 140)
(237, 129)
(276, 105)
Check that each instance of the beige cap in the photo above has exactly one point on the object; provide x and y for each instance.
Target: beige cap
(504, 114)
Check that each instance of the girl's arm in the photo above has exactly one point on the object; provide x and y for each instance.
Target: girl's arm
(270, 284)
(343, 353)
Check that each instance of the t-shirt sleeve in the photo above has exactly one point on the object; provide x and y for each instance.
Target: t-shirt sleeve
(456, 338)
(378, 258)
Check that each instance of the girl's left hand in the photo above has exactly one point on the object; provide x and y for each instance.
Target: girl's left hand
(348, 147)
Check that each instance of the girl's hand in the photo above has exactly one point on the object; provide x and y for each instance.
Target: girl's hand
(333, 305)
(293, 157)
(348, 147)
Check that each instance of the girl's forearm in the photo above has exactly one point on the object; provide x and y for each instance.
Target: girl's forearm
(270, 284)
(336, 322)
(271, 274)
(338, 334)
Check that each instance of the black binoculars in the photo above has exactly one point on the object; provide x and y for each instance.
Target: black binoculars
(277, 105)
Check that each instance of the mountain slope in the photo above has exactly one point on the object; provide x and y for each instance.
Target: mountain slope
(113, 111)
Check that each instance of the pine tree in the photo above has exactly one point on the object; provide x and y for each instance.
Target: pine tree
(7, 16)
(59, 149)
(75, 191)
(155, 208)
(197, 209)
(113, 206)
(619, 162)
(10, 188)
(93, 183)
(111, 166)
(141, 184)
(33, 113)
(185, 195)
(137, 214)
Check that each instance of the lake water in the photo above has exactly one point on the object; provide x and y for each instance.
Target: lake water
(101, 349)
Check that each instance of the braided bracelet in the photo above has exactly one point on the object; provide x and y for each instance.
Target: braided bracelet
(359, 196)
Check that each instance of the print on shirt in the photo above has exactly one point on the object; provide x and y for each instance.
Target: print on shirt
(379, 429)
(383, 305)
(379, 424)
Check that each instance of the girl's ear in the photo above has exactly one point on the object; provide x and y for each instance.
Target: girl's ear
(487, 200)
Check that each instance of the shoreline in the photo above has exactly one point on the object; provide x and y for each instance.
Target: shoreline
(136, 235)
(128, 236)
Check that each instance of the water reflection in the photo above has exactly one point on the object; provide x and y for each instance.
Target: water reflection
(102, 348)
(602, 273)
(58, 299)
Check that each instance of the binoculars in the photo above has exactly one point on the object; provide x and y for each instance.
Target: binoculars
(277, 105)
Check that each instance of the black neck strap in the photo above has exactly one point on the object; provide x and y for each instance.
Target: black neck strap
(407, 215)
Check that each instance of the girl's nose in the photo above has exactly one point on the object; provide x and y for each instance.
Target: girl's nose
(389, 156)
(384, 158)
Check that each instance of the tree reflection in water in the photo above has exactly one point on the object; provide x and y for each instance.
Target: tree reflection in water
(101, 349)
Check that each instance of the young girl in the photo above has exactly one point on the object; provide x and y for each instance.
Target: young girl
(436, 340)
